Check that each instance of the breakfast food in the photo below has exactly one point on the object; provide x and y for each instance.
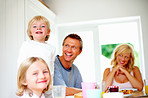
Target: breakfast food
(78, 95)
(113, 88)
(127, 91)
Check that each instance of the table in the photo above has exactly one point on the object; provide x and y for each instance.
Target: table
(135, 94)
(69, 96)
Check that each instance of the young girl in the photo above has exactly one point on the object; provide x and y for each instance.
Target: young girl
(33, 78)
(38, 32)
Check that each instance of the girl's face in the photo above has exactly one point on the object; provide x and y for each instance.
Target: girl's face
(39, 31)
(37, 77)
(123, 59)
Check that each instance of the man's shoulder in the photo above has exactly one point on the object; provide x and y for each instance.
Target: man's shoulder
(56, 58)
(75, 68)
(56, 62)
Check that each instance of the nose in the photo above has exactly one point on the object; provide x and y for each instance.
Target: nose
(69, 49)
(122, 58)
(41, 75)
(39, 27)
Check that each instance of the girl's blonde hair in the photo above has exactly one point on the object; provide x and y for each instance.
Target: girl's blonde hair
(124, 48)
(38, 18)
(21, 75)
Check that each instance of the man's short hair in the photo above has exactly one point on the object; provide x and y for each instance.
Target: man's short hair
(75, 36)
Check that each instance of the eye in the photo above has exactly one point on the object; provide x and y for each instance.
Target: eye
(74, 47)
(42, 26)
(126, 57)
(34, 26)
(66, 45)
(35, 73)
(46, 72)
(120, 55)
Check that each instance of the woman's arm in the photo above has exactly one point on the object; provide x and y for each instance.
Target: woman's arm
(135, 80)
(108, 76)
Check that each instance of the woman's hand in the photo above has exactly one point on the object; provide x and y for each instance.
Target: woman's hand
(120, 69)
(123, 69)
(116, 69)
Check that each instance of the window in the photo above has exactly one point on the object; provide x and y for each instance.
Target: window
(100, 33)
(115, 33)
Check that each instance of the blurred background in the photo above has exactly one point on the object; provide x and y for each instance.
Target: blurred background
(102, 25)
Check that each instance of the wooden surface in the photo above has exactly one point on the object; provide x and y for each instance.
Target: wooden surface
(135, 94)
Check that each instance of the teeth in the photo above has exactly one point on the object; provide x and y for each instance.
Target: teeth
(68, 54)
(38, 31)
(121, 62)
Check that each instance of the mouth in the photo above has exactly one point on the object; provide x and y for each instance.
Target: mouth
(67, 54)
(122, 62)
(44, 81)
(38, 32)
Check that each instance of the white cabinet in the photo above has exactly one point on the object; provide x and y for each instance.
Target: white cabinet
(14, 18)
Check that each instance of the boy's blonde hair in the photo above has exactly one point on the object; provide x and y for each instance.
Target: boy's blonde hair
(21, 75)
(38, 18)
(124, 48)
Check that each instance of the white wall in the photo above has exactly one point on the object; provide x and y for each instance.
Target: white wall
(68, 11)
(11, 36)
(14, 17)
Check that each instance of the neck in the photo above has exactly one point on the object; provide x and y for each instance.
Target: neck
(38, 93)
(40, 41)
(65, 63)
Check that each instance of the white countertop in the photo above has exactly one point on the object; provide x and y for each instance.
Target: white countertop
(69, 96)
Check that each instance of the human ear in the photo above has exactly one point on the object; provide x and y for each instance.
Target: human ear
(24, 83)
(48, 32)
(80, 52)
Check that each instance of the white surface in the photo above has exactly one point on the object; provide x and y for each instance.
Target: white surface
(69, 96)
(113, 95)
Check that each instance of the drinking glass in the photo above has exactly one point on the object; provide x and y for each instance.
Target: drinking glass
(93, 93)
(86, 86)
(102, 87)
(146, 86)
(59, 91)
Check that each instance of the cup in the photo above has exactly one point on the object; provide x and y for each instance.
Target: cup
(146, 86)
(86, 86)
(93, 93)
(102, 87)
(59, 91)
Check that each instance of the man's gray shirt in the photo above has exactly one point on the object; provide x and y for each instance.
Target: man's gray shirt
(68, 77)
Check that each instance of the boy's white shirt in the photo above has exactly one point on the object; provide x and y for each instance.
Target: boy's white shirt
(36, 49)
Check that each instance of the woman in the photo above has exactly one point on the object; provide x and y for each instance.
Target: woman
(123, 73)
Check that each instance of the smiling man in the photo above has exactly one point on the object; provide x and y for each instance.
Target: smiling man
(65, 72)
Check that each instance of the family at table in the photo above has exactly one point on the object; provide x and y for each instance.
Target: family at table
(39, 68)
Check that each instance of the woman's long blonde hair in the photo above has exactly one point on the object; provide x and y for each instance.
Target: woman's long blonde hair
(124, 48)
(21, 75)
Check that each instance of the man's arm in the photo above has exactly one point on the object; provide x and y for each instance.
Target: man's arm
(71, 91)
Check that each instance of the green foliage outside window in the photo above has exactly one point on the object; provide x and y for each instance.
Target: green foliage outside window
(108, 49)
